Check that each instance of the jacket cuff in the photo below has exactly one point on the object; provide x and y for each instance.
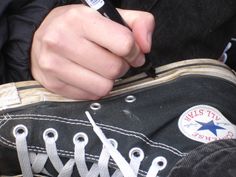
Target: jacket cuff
(22, 23)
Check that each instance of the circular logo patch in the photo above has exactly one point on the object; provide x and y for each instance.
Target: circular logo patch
(205, 124)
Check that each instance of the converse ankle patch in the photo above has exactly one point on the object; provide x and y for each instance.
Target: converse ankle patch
(205, 124)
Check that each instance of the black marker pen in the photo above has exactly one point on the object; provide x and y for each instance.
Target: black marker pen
(106, 9)
(109, 11)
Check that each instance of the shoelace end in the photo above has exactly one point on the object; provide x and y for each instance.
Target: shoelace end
(90, 119)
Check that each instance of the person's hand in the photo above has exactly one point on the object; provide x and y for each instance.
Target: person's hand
(78, 53)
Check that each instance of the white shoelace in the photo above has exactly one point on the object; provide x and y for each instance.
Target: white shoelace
(32, 163)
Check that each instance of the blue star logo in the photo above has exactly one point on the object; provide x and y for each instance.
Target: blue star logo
(210, 126)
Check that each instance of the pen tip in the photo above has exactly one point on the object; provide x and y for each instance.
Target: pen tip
(151, 72)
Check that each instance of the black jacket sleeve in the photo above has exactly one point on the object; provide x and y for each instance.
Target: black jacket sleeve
(188, 29)
(3, 35)
(19, 19)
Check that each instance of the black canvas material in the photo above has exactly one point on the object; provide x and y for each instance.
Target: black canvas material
(150, 123)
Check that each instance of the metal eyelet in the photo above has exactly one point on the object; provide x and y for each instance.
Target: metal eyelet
(20, 130)
(95, 106)
(50, 133)
(80, 138)
(136, 153)
(160, 162)
(130, 99)
(113, 143)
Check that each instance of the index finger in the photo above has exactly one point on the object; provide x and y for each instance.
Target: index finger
(114, 37)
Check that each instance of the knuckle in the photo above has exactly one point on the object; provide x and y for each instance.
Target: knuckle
(116, 69)
(72, 13)
(128, 43)
(47, 64)
(150, 18)
(105, 88)
(50, 41)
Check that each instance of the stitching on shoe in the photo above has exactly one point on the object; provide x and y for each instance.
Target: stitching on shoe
(103, 126)
(6, 119)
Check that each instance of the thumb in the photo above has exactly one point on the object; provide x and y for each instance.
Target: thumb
(142, 25)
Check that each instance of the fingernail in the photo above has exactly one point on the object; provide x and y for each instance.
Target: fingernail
(139, 61)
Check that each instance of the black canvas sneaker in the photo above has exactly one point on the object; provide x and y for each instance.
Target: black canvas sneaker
(179, 124)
